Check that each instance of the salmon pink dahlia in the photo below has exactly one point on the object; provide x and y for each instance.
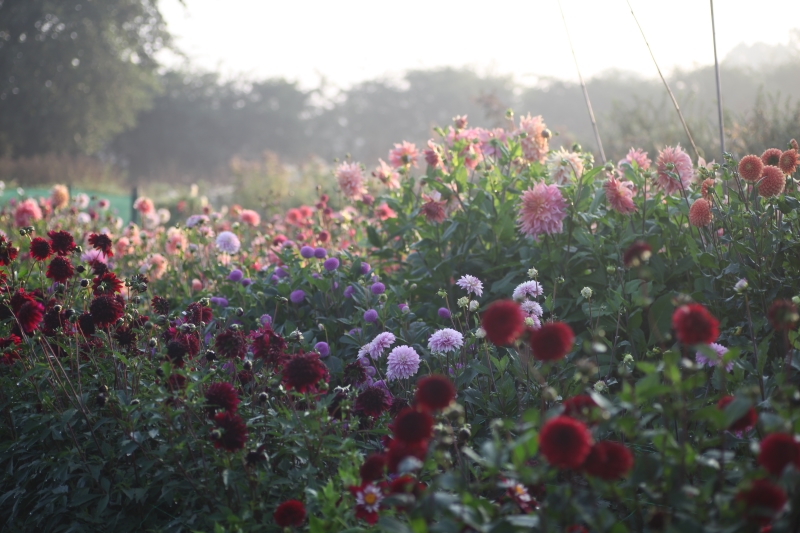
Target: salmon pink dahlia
(351, 181)
(27, 211)
(503, 322)
(771, 157)
(750, 167)
(551, 342)
(608, 460)
(403, 154)
(542, 210)
(565, 442)
(762, 501)
(619, 195)
(638, 156)
(777, 451)
(772, 182)
(700, 213)
(693, 324)
(291, 513)
(434, 392)
(681, 168)
(788, 161)
(250, 217)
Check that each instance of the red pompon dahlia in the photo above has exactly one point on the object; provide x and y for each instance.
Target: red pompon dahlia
(783, 315)
(581, 407)
(745, 422)
(788, 161)
(700, 213)
(751, 167)
(434, 392)
(176, 351)
(222, 395)
(176, 382)
(86, 324)
(60, 269)
(40, 249)
(197, 312)
(693, 324)
(160, 305)
(373, 401)
(374, 468)
(399, 450)
(7, 251)
(354, 374)
(772, 182)
(503, 322)
(103, 243)
(291, 513)
(303, 372)
(270, 346)
(106, 309)
(777, 451)
(608, 460)
(637, 253)
(551, 342)
(565, 442)
(61, 242)
(771, 156)
(412, 427)
(107, 283)
(761, 501)
(125, 336)
(30, 315)
(231, 432)
(231, 343)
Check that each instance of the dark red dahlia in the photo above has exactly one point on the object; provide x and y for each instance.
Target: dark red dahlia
(581, 407)
(30, 315)
(399, 450)
(608, 460)
(160, 305)
(771, 156)
(103, 243)
(434, 392)
(98, 267)
(176, 382)
(761, 501)
(40, 249)
(268, 345)
(565, 442)
(406, 484)
(106, 309)
(373, 401)
(222, 395)
(412, 426)
(783, 315)
(125, 337)
(374, 468)
(7, 251)
(107, 283)
(86, 324)
(503, 322)
(303, 372)
(290, 513)
(745, 422)
(638, 252)
(398, 405)
(60, 269)
(777, 451)
(551, 342)
(61, 242)
(176, 351)
(231, 343)
(197, 313)
(354, 374)
(693, 324)
(53, 320)
(232, 430)
(8, 352)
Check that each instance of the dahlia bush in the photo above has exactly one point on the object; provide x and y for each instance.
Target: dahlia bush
(483, 334)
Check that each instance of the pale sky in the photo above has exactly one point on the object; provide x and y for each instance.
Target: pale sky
(348, 41)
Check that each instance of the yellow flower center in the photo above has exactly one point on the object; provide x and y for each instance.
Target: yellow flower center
(369, 498)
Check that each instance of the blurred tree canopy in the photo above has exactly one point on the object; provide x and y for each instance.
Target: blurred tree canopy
(74, 73)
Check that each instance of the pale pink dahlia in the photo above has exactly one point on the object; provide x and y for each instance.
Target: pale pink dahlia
(638, 156)
(387, 175)
(155, 266)
(561, 165)
(532, 308)
(250, 217)
(176, 241)
(682, 168)
(143, 205)
(403, 362)
(619, 195)
(445, 340)
(527, 289)
(403, 154)
(535, 144)
(542, 210)
(27, 211)
(491, 140)
(350, 180)
(471, 284)
(379, 344)
(702, 360)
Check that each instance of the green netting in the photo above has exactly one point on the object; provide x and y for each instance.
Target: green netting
(120, 203)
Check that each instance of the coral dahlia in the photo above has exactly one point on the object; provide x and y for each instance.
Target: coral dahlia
(788, 161)
(771, 156)
(751, 167)
(772, 182)
(682, 168)
(700, 213)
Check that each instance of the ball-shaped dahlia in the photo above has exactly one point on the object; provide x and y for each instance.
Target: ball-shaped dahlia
(222, 395)
(232, 434)
(772, 182)
(86, 324)
(788, 161)
(291, 513)
(231, 343)
(693, 324)
(106, 309)
(777, 451)
(354, 374)
(40, 249)
(62, 242)
(608, 460)
(373, 401)
(374, 468)
(744, 423)
(581, 407)
(551, 342)
(750, 167)
(434, 392)
(771, 156)
(176, 351)
(412, 426)
(399, 450)
(762, 500)
(60, 269)
(503, 322)
(700, 213)
(783, 315)
(303, 372)
(565, 442)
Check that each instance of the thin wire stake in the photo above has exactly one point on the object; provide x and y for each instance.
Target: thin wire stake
(583, 86)
(674, 101)
(719, 86)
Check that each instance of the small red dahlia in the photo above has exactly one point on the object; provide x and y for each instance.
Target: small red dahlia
(60, 269)
(374, 468)
(551, 342)
(222, 395)
(762, 501)
(608, 460)
(777, 451)
(61, 242)
(303, 372)
(751, 167)
(700, 213)
(231, 343)
(102, 242)
(565, 442)
(269, 346)
(434, 392)
(107, 283)
(772, 182)
(30, 315)
(176, 351)
(771, 156)
(40, 249)
(291, 513)
(233, 431)
(197, 312)
(354, 374)
(693, 324)
(8, 350)
(788, 161)
(637, 253)
(160, 305)
(7, 251)
(373, 401)
(106, 309)
(86, 324)
(745, 422)
(581, 407)
(503, 322)
(783, 315)
(399, 450)
(433, 211)
(412, 427)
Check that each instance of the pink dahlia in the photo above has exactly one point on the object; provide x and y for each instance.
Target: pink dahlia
(144, 205)
(619, 195)
(403, 154)
(250, 217)
(386, 175)
(561, 165)
(682, 168)
(27, 211)
(403, 362)
(702, 360)
(384, 212)
(535, 144)
(351, 181)
(491, 140)
(638, 156)
(541, 211)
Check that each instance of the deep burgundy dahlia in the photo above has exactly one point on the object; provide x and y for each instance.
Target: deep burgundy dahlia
(581, 407)
(103, 243)
(637, 253)
(8, 352)
(30, 315)
(412, 427)
(290, 513)
(608, 460)
(434, 392)
(60, 269)
(176, 351)
(230, 344)
(7, 251)
(565, 442)
(268, 345)
(744, 423)
(777, 451)
(374, 468)
(86, 324)
(693, 324)
(303, 372)
(40, 249)
(160, 305)
(761, 501)
(61, 242)
(399, 450)
(354, 374)
(125, 336)
(106, 309)
(197, 313)
(398, 405)
(107, 283)
(373, 401)
(233, 431)
(783, 315)
(222, 395)
(503, 322)
(551, 342)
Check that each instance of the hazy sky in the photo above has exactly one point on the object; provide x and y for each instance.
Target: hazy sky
(348, 41)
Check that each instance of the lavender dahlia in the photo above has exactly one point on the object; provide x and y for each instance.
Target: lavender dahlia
(403, 362)
(471, 284)
(445, 340)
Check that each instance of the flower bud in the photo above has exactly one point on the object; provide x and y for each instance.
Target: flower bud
(586, 292)
(152, 343)
(473, 305)
(211, 355)
(480, 333)
(262, 397)
(239, 311)
(84, 283)
(248, 365)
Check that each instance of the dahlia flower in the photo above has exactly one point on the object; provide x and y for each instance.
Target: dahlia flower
(747, 421)
(373, 401)
(231, 431)
(503, 321)
(788, 161)
(471, 284)
(368, 501)
(619, 195)
(434, 392)
(542, 210)
(638, 156)
(403, 362)
(291, 513)
(693, 324)
(351, 181)
(762, 501)
(750, 167)
(682, 168)
(777, 451)
(700, 213)
(445, 340)
(561, 165)
(608, 460)
(551, 342)
(386, 175)
(535, 144)
(772, 182)
(250, 217)
(228, 242)
(379, 344)
(527, 289)
(532, 308)
(412, 426)
(59, 196)
(771, 157)
(143, 205)
(26, 212)
(702, 360)
(373, 468)
(565, 442)
(403, 154)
